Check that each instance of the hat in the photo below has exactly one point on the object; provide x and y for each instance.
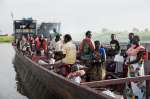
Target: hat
(77, 67)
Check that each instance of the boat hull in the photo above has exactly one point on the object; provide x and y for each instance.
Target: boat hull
(41, 83)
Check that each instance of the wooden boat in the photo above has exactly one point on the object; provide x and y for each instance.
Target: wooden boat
(42, 83)
(52, 82)
(49, 83)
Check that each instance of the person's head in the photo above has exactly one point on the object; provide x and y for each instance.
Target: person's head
(38, 53)
(131, 36)
(88, 34)
(75, 68)
(136, 40)
(97, 44)
(113, 36)
(67, 38)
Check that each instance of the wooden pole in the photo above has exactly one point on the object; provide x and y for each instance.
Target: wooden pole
(115, 81)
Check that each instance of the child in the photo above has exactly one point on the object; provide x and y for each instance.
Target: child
(76, 73)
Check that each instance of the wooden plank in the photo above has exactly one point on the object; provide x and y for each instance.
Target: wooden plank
(115, 81)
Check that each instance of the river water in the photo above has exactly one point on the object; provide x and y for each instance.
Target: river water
(9, 87)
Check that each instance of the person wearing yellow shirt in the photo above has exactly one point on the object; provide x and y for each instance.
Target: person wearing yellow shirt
(69, 52)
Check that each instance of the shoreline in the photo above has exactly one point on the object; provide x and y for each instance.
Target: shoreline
(6, 39)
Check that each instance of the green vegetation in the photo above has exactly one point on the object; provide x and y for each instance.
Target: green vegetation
(6, 39)
(122, 37)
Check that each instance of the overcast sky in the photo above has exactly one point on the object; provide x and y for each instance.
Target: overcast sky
(77, 16)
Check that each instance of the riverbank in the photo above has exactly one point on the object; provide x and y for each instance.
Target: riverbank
(122, 37)
(6, 39)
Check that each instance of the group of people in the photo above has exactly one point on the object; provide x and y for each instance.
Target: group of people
(30, 44)
(89, 60)
(133, 66)
(93, 55)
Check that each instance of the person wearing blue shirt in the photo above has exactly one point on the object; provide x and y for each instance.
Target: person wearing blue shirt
(98, 69)
(102, 53)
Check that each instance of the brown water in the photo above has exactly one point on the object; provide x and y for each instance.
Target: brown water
(10, 87)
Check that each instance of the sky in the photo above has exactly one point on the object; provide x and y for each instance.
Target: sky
(78, 16)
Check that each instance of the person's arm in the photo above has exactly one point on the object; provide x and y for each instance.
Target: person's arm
(81, 47)
(59, 55)
(76, 73)
(118, 46)
(63, 53)
(91, 45)
(104, 54)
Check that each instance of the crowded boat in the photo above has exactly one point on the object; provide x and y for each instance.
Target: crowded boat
(85, 61)
(89, 60)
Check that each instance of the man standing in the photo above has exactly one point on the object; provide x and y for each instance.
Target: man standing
(86, 52)
(114, 44)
